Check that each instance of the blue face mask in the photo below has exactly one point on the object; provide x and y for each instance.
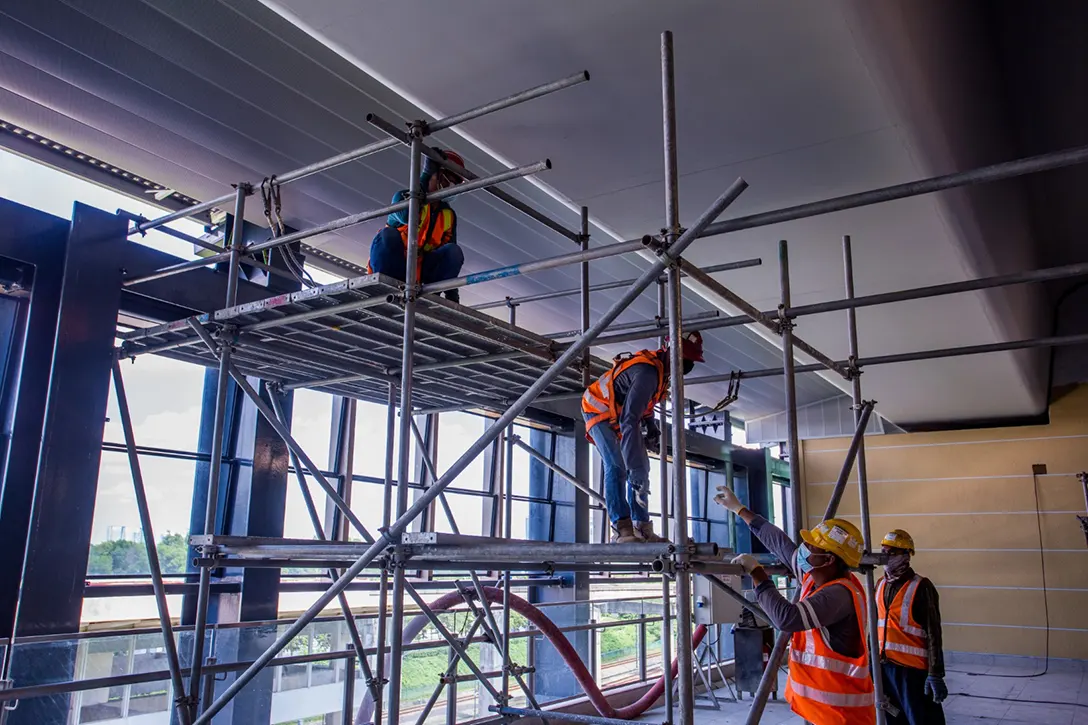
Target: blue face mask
(803, 563)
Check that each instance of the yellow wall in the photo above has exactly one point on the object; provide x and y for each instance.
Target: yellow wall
(968, 499)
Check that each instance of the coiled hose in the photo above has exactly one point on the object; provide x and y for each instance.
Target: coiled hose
(562, 645)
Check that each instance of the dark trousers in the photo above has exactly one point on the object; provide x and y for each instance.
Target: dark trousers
(905, 687)
(387, 257)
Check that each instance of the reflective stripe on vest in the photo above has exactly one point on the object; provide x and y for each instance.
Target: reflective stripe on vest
(900, 638)
(433, 231)
(826, 663)
(825, 686)
(834, 699)
(599, 400)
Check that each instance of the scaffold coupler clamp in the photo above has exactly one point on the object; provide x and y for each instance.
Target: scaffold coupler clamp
(189, 702)
(783, 323)
(852, 370)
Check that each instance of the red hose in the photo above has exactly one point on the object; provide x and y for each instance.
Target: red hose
(566, 650)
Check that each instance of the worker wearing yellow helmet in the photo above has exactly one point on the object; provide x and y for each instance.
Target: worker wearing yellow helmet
(909, 635)
(829, 681)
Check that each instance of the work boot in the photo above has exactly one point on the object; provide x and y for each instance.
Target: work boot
(645, 531)
(453, 295)
(623, 532)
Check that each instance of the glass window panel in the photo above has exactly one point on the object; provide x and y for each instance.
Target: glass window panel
(123, 609)
(164, 399)
(467, 510)
(311, 424)
(296, 521)
(116, 537)
(456, 432)
(370, 429)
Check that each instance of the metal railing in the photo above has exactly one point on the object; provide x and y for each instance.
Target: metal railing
(321, 656)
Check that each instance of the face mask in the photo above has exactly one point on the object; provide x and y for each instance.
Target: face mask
(897, 566)
(689, 365)
(803, 564)
(802, 560)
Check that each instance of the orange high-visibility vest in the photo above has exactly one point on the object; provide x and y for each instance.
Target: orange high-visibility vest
(599, 400)
(436, 222)
(901, 639)
(825, 687)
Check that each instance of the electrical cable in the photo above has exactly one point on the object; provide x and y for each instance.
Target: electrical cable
(1046, 606)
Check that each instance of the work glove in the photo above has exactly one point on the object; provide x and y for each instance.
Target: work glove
(936, 688)
(651, 434)
(750, 563)
(728, 499)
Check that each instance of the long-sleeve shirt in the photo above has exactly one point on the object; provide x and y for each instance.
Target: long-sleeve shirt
(830, 609)
(634, 388)
(926, 611)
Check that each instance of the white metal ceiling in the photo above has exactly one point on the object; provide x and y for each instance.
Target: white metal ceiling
(785, 93)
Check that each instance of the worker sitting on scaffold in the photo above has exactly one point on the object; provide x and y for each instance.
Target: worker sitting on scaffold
(440, 258)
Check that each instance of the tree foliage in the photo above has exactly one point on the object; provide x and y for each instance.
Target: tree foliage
(130, 557)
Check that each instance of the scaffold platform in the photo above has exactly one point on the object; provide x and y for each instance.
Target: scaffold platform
(345, 338)
(431, 551)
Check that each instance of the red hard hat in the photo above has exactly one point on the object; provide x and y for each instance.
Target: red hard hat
(691, 346)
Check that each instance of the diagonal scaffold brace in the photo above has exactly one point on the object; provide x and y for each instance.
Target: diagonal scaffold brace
(181, 701)
(319, 531)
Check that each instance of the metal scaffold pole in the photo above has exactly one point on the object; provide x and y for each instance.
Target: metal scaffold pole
(404, 433)
(216, 463)
(507, 522)
(863, 482)
(770, 674)
(172, 661)
(685, 672)
(666, 589)
(383, 584)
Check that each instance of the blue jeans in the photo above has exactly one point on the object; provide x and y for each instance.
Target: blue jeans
(387, 257)
(626, 493)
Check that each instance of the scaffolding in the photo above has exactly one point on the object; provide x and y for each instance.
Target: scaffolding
(399, 344)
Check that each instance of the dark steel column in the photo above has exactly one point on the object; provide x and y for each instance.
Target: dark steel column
(67, 479)
(58, 543)
(39, 240)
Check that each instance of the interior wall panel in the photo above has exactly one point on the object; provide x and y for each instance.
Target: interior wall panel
(969, 500)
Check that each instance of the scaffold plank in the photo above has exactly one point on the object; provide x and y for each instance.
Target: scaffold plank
(344, 338)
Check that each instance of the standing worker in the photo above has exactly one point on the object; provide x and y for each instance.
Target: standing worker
(829, 681)
(615, 407)
(439, 256)
(909, 627)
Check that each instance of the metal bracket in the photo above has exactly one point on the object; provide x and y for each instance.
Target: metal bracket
(10, 705)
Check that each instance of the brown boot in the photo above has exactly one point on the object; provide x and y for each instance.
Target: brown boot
(623, 532)
(645, 531)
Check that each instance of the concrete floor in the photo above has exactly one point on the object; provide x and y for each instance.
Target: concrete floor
(1065, 682)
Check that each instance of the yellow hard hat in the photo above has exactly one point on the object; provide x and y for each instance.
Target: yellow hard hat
(899, 539)
(838, 536)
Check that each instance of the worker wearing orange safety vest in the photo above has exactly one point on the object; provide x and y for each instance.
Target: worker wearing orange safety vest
(616, 407)
(909, 633)
(829, 681)
(439, 257)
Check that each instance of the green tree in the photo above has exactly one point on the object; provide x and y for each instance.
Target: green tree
(130, 557)
(174, 553)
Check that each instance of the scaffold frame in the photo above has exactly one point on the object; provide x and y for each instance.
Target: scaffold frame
(376, 339)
